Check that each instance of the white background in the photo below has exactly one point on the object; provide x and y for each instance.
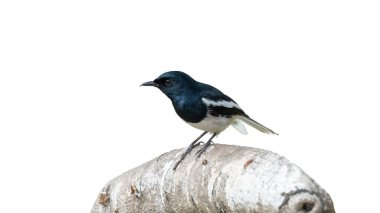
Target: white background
(72, 114)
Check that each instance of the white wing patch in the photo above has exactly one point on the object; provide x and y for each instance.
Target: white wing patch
(223, 103)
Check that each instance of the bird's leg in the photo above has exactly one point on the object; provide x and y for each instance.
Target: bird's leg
(194, 144)
(207, 144)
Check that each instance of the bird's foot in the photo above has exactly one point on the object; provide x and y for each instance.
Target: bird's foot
(198, 143)
(203, 149)
(188, 150)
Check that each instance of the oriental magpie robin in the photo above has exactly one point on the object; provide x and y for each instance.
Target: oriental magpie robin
(203, 107)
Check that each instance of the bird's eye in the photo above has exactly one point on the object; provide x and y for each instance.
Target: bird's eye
(167, 82)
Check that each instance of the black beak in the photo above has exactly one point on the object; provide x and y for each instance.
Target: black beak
(149, 83)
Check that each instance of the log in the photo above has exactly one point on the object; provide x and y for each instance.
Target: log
(224, 179)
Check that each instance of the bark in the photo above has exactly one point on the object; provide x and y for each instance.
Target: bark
(224, 179)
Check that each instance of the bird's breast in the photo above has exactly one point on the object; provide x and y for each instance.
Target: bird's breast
(190, 110)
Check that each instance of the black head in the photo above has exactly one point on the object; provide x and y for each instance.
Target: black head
(172, 83)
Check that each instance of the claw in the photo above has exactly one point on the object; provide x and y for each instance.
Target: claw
(203, 149)
(189, 149)
(193, 145)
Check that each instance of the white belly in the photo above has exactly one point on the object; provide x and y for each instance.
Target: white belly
(212, 124)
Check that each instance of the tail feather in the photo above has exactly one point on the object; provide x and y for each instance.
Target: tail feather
(256, 125)
(239, 126)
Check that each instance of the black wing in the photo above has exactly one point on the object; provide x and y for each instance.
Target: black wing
(219, 104)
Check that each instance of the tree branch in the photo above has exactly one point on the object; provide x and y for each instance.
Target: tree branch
(225, 179)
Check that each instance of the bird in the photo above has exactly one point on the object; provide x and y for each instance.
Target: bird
(204, 107)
